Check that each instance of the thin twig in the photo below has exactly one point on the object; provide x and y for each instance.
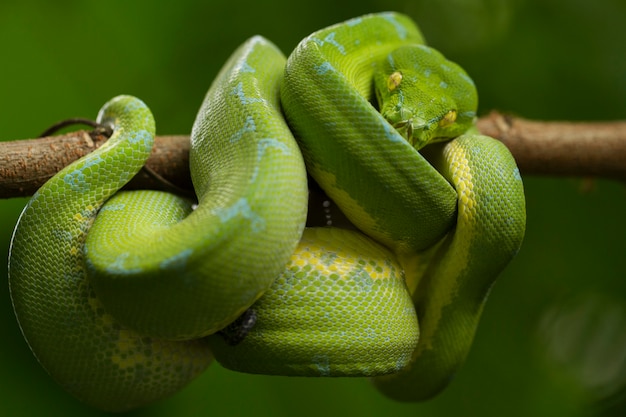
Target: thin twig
(590, 149)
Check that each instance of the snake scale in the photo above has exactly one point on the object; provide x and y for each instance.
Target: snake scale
(125, 297)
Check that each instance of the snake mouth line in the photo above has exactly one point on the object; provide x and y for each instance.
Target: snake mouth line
(420, 135)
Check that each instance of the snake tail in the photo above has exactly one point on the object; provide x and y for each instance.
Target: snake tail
(88, 352)
(252, 200)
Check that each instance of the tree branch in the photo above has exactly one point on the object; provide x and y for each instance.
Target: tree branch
(594, 149)
(26, 164)
(584, 149)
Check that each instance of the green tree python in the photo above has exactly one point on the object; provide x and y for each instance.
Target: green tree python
(125, 297)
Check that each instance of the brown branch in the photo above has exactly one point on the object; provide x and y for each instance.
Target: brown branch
(26, 164)
(595, 149)
(587, 149)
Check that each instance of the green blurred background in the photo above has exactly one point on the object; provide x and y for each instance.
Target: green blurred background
(552, 341)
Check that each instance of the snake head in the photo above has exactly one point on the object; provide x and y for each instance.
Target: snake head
(425, 97)
(418, 130)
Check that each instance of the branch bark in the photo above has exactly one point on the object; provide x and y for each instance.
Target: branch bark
(25, 165)
(592, 149)
(582, 149)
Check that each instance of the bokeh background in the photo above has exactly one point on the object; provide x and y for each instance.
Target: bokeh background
(552, 341)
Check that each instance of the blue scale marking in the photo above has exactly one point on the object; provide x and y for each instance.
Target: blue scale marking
(469, 114)
(322, 364)
(330, 39)
(466, 78)
(63, 235)
(355, 21)
(400, 105)
(399, 28)
(262, 146)
(242, 208)
(238, 91)
(370, 333)
(362, 281)
(113, 207)
(117, 267)
(132, 106)
(391, 133)
(246, 68)
(401, 362)
(92, 160)
(76, 180)
(324, 68)
(248, 127)
(140, 136)
(178, 261)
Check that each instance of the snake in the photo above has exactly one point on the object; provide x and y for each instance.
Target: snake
(124, 297)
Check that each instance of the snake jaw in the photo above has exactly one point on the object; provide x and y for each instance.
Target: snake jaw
(417, 134)
(405, 129)
(416, 130)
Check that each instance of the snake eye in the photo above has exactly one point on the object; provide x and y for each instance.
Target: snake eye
(394, 80)
(448, 119)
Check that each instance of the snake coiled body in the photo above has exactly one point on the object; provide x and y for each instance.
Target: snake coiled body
(116, 291)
